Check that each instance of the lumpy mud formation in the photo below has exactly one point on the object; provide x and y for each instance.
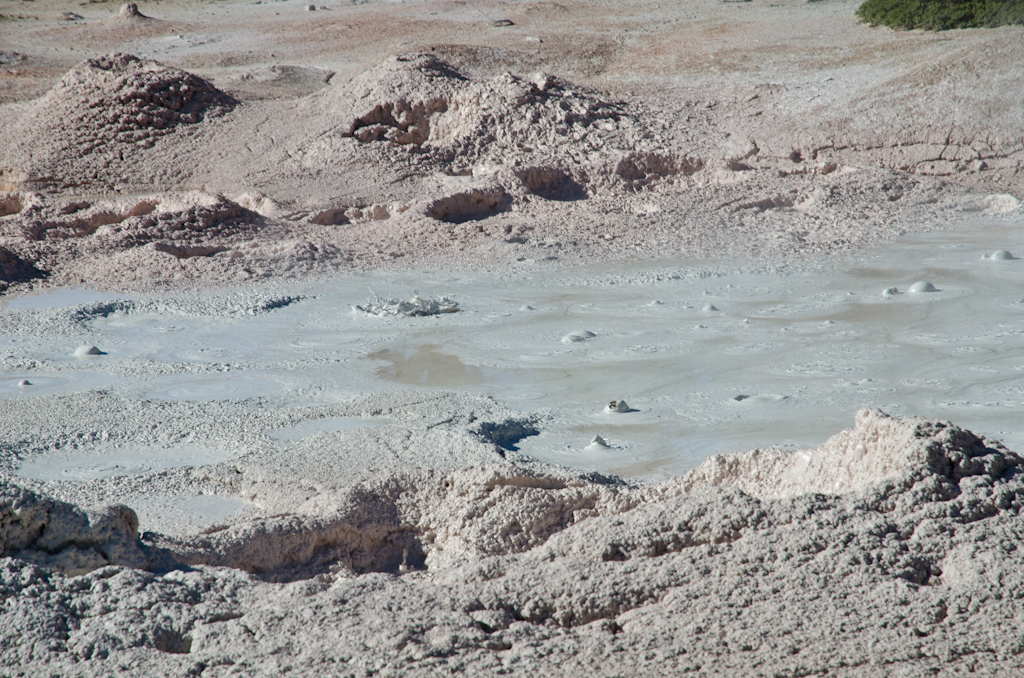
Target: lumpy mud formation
(155, 520)
(106, 110)
(473, 157)
(882, 532)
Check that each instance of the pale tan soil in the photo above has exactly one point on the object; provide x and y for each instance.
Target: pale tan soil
(708, 128)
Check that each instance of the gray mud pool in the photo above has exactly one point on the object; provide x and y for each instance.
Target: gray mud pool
(709, 356)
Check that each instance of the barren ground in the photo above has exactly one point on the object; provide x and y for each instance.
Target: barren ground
(197, 146)
(301, 145)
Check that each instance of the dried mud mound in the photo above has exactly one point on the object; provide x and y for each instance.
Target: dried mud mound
(877, 449)
(469, 160)
(422, 163)
(916, 570)
(102, 111)
(126, 242)
(121, 98)
(52, 532)
(556, 136)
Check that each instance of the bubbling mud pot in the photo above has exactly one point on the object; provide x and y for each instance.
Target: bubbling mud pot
(789, 353)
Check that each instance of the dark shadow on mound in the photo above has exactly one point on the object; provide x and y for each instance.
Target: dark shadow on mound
(285, 548)
(14, 269)
(506, 434)
(551, 184)
(472, 205)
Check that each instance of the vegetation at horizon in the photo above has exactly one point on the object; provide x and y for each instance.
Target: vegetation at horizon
(941, 15)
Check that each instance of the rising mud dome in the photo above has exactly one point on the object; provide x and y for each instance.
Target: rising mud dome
(162, 147)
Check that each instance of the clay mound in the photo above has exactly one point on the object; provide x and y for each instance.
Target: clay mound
(442, 520)
(152, 231)
(120, 98)
(188, 219)
(56, 534)
(878, 448)
(100, 112)
(558, 136)
(421, 100)
(582, 572)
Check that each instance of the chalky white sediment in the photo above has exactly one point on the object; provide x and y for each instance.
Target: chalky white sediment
(799, 347)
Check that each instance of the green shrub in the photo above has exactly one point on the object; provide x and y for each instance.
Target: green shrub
(941, 15)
